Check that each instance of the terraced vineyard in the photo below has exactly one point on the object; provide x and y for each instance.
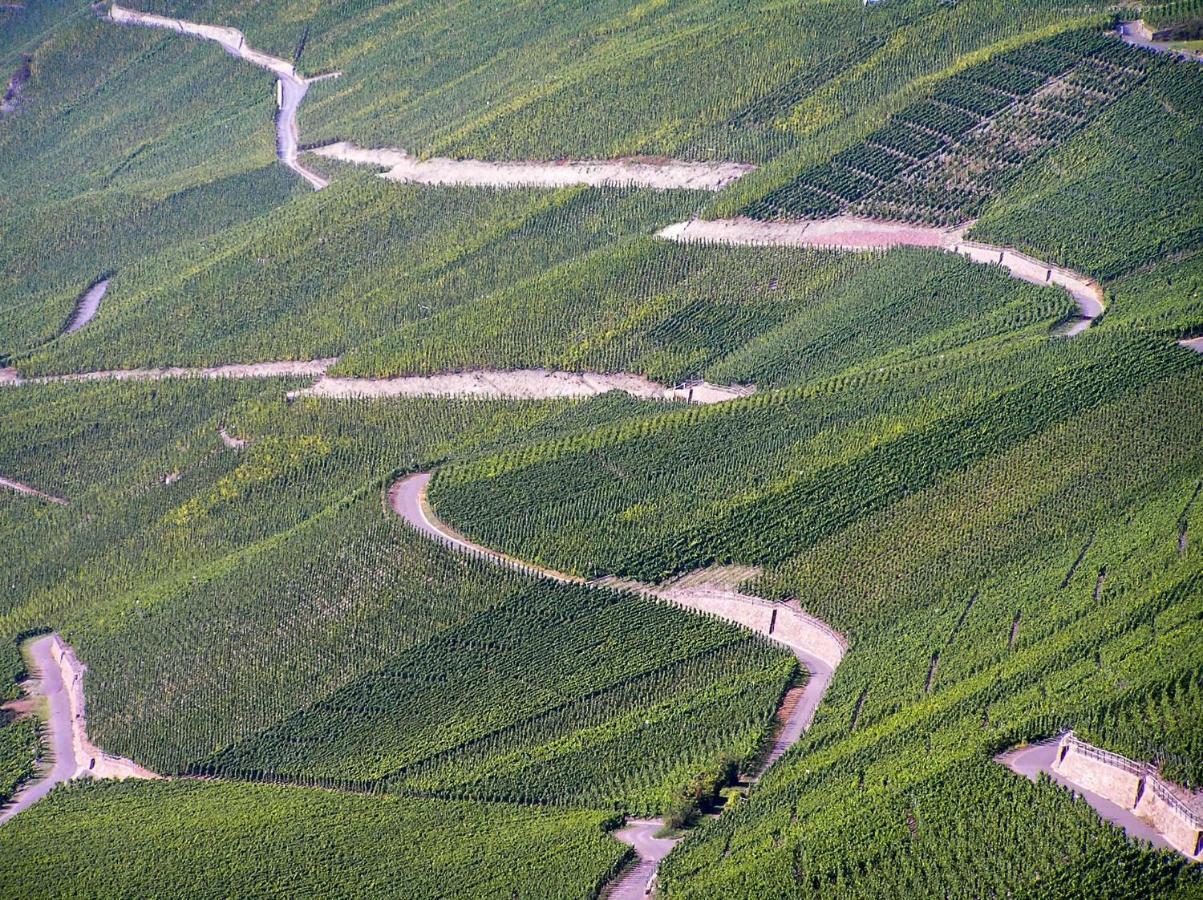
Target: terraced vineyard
(723, 540)
(941, 160)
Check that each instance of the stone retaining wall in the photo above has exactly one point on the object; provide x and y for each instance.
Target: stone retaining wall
(1133, 786)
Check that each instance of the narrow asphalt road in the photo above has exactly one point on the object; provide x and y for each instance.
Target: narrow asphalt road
(58, 726)
(1032, 760)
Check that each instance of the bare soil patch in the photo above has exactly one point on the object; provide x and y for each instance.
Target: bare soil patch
(654, 173)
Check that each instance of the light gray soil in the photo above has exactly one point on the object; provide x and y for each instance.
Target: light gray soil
(87, 306)
(656, 174)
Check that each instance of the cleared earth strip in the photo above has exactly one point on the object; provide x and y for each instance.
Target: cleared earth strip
(852, 233)
(521, 384)
(817, 646)
(1128, 794)
(291, 87)
(286, 369)
(59, 678)
(486, 384)
(87, 306)
(647, 172)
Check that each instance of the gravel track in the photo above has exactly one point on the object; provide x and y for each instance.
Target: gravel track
(654, 173)
(520, 384)
(817, 647)
(290, 93)
(856, 234)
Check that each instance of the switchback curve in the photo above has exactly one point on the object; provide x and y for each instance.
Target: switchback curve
(290, 93)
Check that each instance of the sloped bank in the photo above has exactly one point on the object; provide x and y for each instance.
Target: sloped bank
(818, 647)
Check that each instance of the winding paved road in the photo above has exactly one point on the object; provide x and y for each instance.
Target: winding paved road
(818, 648)
(1032, 760)
(59, 678)
(58, 725)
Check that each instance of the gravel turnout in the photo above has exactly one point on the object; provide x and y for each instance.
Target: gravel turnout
(851, 233)
(657, 174)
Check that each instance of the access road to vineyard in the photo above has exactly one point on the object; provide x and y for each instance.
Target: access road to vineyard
(59, 678)
(651, 172)
(852, 233)
(646, 172)
(817, 646)
(489, 384)
(292, 87)
(1030, 761)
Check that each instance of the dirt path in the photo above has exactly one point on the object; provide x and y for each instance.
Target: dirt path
(59, 678)
(520, 384)
(851, 233)
(817, 646)
(1195, 344)
(291, 86)
(300, 369)
(1030, 761)
(87, 306)
(21, 488)
(654, 173)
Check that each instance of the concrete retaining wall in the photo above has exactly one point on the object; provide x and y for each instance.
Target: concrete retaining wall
(1121, 787)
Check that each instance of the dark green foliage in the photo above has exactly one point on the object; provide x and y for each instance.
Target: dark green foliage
(197, 839)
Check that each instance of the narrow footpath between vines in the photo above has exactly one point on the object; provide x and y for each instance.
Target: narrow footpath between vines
(818, 647)
(22, 488)
(58, 677)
